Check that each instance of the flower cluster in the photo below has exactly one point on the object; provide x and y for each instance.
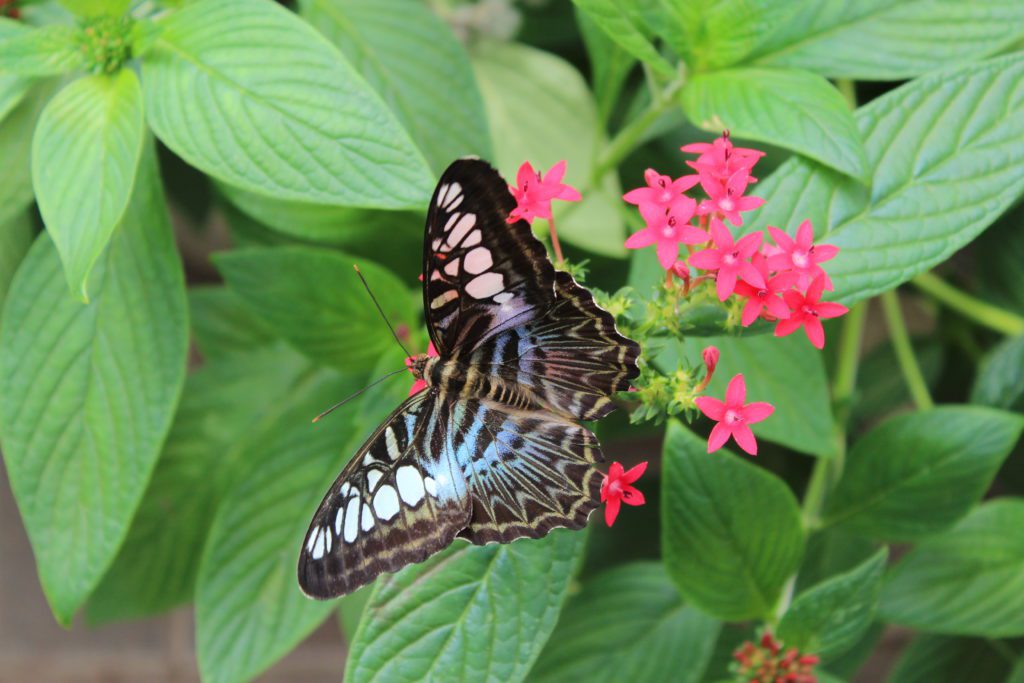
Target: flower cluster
(781, 282)
(535, 192)
(767, 662)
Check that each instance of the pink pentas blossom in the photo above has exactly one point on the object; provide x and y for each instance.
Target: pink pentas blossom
(730, 259)
(668, 228)
(534, 193)
(727, 198)
(765, 300)
(710, 356)
(807, 311)
(801, 255)
(734, 416)
(661, 190)
(617, 488)
(420, 384)
(720, 160)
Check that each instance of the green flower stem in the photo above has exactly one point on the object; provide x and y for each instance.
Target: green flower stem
(979, 311)
(848, 90)
(904, 351)
(827, 471)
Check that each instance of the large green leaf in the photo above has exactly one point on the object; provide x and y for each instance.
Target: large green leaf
(942, 659)
(731, 531)
(410, 57)
(1000, 379)
(968, 581)
(224, 102)
(471, 613)
(831, 617)
(609, 65)
(540, 110)
(785, 107)
(621, 22)
(156, 567)
(716, 33)
(628, 624)
(917, 474)
(16, 132)
(85, 152)
(878, 40)
(44, 51)
(249, 609)
(12, 86)
(881, 388)
(998, 254)
(223, 325)
(315, 301)
(803, 414)
(16, 234)
(87, 393)
(931, 194)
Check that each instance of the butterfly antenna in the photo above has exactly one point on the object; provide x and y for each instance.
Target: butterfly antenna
(381, 311)
(346, 400)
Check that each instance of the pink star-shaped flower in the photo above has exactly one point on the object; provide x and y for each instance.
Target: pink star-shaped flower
(668, 227)
(807, 311)
(801, 255)
(661, 190)
(719, 160)
(730, 259)
(734, 416)
(727, 198)
(617, 489)
(420, 384)
(534, 194)
(767, 298)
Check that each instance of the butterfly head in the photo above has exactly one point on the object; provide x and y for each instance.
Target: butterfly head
(418, 365)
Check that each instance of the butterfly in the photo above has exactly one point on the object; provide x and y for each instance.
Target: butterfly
(492, 449)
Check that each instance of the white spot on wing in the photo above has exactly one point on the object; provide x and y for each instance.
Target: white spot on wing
(351, 519)
(311, 541)
(385, 503)
(372, 477)
(486, 285)
(367, 518)
(328, 539)
(465, 224)
(442, 195)
(472, 239)
(318, 544)
(452, 197)
(392, 443)
(478, 260)
(345, 488)
(503, 297)
(430, 485)
(337, 521)
(410, 484)
(444, 297)
(452, 268)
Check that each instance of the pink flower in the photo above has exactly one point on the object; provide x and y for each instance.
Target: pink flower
(730, 259)
(764, 661)
(733, 416)
(661, 190)
(420, 384)
(801, 256)
(668, 227)
(534, 194)
(807, 311)
(616, 489)
(760, 299)
(720, 160)
(727, 198)
(710, 356)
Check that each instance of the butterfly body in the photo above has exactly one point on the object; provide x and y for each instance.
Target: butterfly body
(491, 450)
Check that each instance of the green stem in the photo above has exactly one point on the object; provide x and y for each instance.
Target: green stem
(848, 90)
(905, 352)
(979, 311)
(625, 141)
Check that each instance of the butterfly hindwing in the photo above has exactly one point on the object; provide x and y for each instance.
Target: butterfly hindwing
(479, 272)
(528, 471)
(399, 500)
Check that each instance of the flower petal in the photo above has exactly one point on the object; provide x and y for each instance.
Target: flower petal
(615, 471)
(787, 326)
(638, 196)
(634, 473)
(824, 252)
(752, 310)
(828, 310)
(706, 259)
(721, 236)
(757, 411)
(745, 438)
(417, 386)
(719, 435)
(815, 332)
(776, 307)
(736, 392)
(725, 283)
(668, 252)
(815, 289)
(691, 235)
(748, 272)
(555, 175)
(781, 238)
(632, 496)
(749, 244)
(711, 407)
(639, 240)
(611, 510)
(805, 235)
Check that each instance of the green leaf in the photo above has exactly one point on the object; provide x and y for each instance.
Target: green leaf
(881, 389)
(12, 86)
(410, 57)
(610, 65)
(715, 33)
(941, 659)
(831, 552)
(85, 152)
(541, 110)
(157, 565)
(628, 624)
(16, 233)
(469, 613)
(228, 105)
(831, 617)
(998, 254)
(917, 474)
(1000, 379)
(930, 195)
(87, 393)
(795, 109)
(803, 415)
(620, 22)
(92, 8)
(968, 581)
(314, 300)
(249, 609)
(45, 51)
(880, 40)
(16, 133)
(223, 325)
(731, 531)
